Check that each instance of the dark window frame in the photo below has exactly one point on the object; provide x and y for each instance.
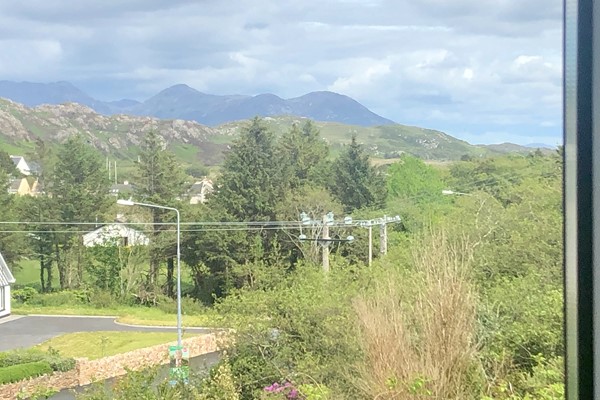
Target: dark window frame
(581, 198)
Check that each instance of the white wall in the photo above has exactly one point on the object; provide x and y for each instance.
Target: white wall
(4, 301)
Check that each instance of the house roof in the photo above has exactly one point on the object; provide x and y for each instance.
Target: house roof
(6, 276)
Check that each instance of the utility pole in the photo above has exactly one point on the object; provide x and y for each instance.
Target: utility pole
(370, 245)
(325, 244)
(325, 240)
(383, 236)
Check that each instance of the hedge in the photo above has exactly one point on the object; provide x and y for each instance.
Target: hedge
(17, 357)
(15, 373)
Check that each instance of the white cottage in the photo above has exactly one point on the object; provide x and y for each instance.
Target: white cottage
(6, 279)
(115, 234)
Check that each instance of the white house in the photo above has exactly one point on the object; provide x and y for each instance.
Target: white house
(200, 190)
(115, 234)
(6, 279)
(21, 164)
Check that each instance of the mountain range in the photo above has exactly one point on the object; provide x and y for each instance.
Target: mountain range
(183, 102)
(119, 136)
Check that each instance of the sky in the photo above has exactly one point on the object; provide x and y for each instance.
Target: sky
(486, 71)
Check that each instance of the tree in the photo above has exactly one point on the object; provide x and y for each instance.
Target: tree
(10, 242)
(250, 188)
(355, 182)
(42, 239)
(159, 181)
(304, 154)
(252, 182)
(80, 191)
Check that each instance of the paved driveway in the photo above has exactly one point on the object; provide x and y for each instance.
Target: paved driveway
(27, 331)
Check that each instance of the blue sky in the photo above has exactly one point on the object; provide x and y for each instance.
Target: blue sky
(487, 71)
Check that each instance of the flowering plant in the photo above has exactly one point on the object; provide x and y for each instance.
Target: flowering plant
(282, 391)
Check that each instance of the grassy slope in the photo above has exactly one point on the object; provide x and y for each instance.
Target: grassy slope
(380, 141)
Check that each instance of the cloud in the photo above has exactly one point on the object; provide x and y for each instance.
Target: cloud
(481, 65)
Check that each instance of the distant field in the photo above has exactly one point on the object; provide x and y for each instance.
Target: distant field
(27, 273)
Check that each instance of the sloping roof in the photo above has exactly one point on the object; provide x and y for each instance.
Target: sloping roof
(6, 276)
(111, 233)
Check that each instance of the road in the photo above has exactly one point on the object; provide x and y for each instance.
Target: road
(26, 331)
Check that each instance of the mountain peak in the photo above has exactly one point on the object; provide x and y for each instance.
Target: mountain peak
(181, 101)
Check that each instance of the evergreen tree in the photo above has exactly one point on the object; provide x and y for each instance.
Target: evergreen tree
(160, 181)
(355, 183)
(79, 189)
(10, 242)
(252, 182)
(304, 154)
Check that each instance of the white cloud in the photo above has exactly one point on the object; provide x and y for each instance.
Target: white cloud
(481, 64)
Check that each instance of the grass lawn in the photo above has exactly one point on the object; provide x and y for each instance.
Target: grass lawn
(27, 273)
(102, 344)
(124, 314)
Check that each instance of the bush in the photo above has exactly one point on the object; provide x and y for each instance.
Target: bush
(15, 373)
(65, 297)
(189, 306)
(25, 294)
(52, 358)
(102, 299)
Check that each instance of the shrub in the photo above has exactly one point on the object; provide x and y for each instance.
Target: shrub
(15, 373)
(102, 299)
(62, 298)
(52, 358)
(25, 294)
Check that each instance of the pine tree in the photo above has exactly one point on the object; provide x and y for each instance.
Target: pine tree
(160, 181)
(304, 154)
(252, 182)
(354, 182)
(79, 189)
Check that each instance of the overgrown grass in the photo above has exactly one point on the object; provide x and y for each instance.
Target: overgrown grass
(95, 345)
(421, 342)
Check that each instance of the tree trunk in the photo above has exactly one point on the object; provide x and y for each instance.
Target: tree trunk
(154, 251)
(170, 269)
(49, 276)
(42, 268)
(62, 273)
(79, 261)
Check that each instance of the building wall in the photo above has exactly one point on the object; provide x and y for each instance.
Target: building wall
(4, 301)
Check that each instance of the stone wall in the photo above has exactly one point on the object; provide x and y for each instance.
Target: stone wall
(88, 371)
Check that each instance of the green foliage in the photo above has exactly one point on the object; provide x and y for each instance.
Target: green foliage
(197, 170)
(252, 181)
(355, 183)
(23, 295)
(411, 178)
(302, 331)
(15, 373)
(16, 365)
(61, 298)
(304, 155)
(159, 180)
(78, 183)
(514, 217)
(145, 385)
(39, 392)
(220, 384)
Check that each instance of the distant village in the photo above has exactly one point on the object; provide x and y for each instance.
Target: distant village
(28, 184)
